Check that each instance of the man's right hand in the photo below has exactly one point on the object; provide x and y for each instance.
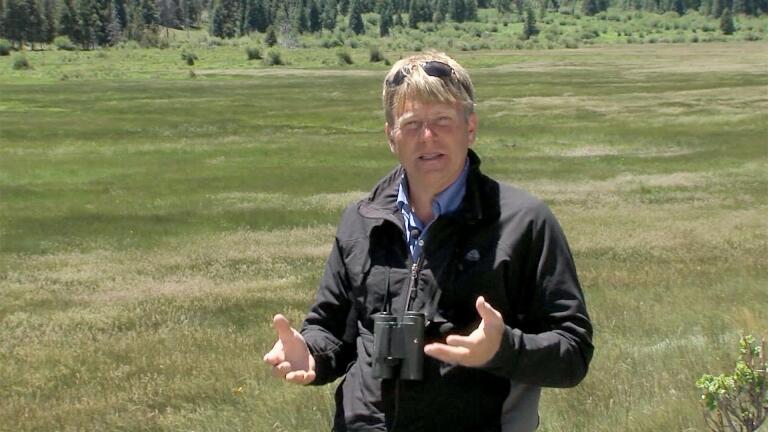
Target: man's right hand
(290, 357)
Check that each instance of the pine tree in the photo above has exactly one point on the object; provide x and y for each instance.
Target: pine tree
(520, 8)
(103, 14)
(471, 10)
(458, 10)
(344, 7)
(314, 18)
(726, 22)
(257, 16)
(441, 10)
(122, 12)
(504, 6)
(590, 7)
(746, 7)
(36, 28)
(529, 26)
(418, 12)
(88, 18)
(69, 21)
(385, 19)
(16, 21)
(329, 14)
(717, 8)
(356, 23)
(114, 29)
(300, 21)
(679, 7)
(49, 14)
(149, 15)
(225, 22)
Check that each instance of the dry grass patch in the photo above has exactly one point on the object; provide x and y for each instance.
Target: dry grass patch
(272, 263)
(327, 202)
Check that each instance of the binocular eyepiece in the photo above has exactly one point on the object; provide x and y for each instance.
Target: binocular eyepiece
(398, 346)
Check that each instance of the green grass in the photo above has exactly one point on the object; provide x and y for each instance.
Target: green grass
(150, 228)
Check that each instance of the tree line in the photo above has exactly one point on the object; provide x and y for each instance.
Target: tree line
(92, 23)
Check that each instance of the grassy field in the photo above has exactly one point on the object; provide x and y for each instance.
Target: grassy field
(150, 228)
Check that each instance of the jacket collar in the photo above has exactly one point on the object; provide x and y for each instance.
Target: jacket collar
(480, 201)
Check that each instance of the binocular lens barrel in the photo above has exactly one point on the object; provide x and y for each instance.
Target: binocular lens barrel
(398, 343)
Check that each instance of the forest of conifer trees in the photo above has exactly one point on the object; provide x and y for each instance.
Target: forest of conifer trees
(87, 24)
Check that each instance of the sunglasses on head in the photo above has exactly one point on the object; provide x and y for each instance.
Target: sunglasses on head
(432, 68)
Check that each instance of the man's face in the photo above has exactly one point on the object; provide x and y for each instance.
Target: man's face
(431, 140)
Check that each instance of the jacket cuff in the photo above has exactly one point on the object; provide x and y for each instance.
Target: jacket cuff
(505, 360)
(325, 364)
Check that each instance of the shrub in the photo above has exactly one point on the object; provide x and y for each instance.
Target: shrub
(189, 57)
(20, 63)
(271, 37)
(570, 43)
(751, 36)
(332, 42)
(344, 58)
(740, 399)
(64, 43)
(273, 58)
(5, 47)
(253, 53)
(213, 41)
(374, 54)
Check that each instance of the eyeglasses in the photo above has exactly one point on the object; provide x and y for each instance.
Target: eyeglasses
(433, 68)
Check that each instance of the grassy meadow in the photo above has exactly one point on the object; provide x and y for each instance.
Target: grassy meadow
(151, 225)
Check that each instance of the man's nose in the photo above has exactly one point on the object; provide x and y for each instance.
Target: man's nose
(428, 131)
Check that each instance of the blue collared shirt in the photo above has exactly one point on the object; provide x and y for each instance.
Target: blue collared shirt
(446, 202)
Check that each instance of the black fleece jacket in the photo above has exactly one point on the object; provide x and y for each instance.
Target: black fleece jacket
(502, 244)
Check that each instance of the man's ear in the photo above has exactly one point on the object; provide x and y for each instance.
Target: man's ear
(390, 136)
(472, 128)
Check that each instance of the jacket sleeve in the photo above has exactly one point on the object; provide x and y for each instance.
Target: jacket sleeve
(330, 327)
(558, 353)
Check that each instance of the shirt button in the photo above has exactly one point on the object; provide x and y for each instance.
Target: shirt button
(421, 243)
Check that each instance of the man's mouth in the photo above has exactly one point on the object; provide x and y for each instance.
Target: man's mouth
(430, 156)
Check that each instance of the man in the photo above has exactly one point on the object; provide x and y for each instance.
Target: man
(486, 263)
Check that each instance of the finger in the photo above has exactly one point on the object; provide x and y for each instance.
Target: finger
(282, 326)
(276, 355)
(461, 341)
(283, 369)
(446, 353)
(300, 377)
(487, 312)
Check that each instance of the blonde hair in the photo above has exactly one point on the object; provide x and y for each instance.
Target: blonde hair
(417, 84)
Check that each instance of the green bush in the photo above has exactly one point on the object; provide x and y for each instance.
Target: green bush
(273, 58)
(63, 43)
(5, 47)
(569, 43)
(253, 53)
(375, 55)
(344, 58)
(20, 63)
(189, 57)
(742, 398)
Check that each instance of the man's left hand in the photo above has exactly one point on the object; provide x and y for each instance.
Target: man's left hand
(479, 347)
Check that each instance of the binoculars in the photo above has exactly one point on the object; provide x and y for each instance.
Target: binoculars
(398, 346)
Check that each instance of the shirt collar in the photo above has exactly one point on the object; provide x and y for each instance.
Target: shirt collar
(446, 202)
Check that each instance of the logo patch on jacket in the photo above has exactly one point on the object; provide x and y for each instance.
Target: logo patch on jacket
(472, 256)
